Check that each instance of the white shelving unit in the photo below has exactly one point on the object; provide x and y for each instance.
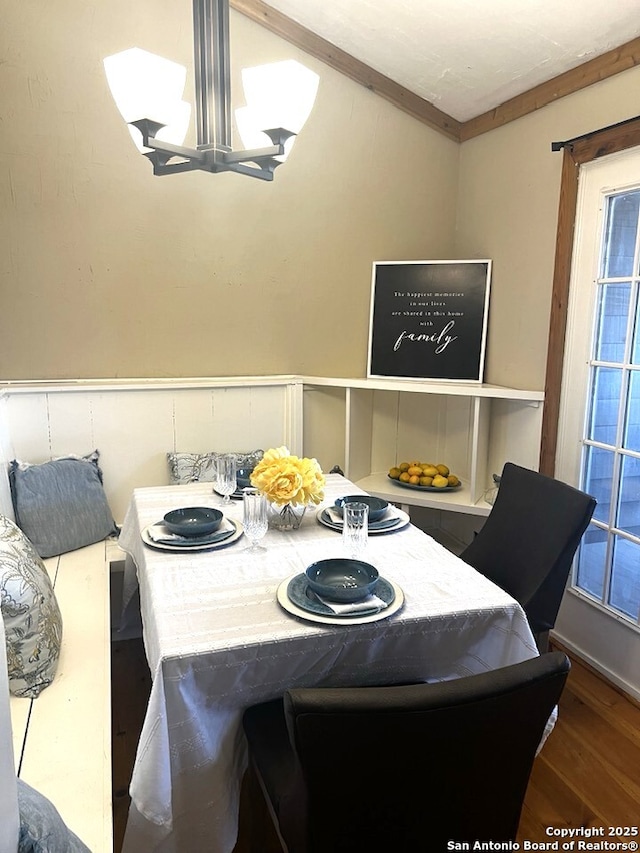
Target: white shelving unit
(368, 425)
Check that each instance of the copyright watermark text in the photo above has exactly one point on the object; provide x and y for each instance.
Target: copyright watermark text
(587, 838)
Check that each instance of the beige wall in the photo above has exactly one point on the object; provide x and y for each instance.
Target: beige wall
(107, 271)
(507, 210)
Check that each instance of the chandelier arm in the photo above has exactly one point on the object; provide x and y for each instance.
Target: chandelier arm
(175, 168)
(243, 169)
(253, 154)
(198, 157)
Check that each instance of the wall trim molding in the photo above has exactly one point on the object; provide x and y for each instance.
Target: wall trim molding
(339, 60)
(593, 71)
(625, 688)
(462, 389)
(582, 76)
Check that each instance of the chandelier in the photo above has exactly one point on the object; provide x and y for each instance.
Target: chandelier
(148, 91)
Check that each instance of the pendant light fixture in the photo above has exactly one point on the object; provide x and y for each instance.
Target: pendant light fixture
(148, 91)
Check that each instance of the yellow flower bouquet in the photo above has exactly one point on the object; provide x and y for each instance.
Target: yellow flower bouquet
(288, 481)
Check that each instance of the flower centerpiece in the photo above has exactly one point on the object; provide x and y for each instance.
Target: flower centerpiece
(289, 483)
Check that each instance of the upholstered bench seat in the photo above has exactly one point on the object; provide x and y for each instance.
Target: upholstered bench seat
(62, 739)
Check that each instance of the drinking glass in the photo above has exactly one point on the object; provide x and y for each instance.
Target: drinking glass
(226, 476)
(355, 528)
(254, 519)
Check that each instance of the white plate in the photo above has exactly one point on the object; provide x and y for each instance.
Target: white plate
(403, 520)
(159, 546)
(285, 602)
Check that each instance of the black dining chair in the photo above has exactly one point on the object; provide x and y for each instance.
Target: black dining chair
(402, 768)
(529, 540)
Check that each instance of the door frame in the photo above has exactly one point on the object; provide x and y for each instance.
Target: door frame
(608, 642)
(575, 152)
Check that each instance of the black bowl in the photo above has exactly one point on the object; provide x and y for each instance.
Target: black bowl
(193, 520)
(377, 507)
(243, 477)
(342, 579)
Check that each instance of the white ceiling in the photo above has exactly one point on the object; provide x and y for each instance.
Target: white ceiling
(468, 56)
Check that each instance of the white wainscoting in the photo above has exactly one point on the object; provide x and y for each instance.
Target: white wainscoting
(6, 455)
(135, 424)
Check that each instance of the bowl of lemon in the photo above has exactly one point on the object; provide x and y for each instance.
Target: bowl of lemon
(428, 476)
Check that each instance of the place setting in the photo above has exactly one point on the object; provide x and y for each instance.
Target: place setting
(343, 590)
(200, 528)
(196, 528)
(382, 517)
(340, 591)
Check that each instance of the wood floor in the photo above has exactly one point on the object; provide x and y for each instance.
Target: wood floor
(587, 775)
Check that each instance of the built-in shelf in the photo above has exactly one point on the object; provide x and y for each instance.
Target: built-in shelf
(420, 386)
(369, 425)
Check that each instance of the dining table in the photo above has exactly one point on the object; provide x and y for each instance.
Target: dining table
(221, 634)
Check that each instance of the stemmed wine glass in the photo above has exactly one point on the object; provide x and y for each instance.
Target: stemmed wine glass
(226, 476)
(254, 518)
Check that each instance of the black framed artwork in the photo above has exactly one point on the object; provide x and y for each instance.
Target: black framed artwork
(429, 320)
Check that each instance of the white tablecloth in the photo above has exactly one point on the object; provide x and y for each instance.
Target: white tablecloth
(217, 641)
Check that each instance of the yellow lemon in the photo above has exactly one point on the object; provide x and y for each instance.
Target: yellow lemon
(404, 477)
(415, 471)
(394, 473)
(403, 466)
(414, 479)
(453, 480)
(426, 481)
(443, 469)
(429, 471)
(440, 482)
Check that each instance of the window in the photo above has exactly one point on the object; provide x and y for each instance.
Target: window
(608, 563)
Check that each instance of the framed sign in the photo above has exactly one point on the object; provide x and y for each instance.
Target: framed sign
(429, 320)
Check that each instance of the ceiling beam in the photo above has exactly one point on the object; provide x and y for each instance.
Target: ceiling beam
(593, 71)
(348, 65)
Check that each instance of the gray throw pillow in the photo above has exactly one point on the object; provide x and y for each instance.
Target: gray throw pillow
(201, 467)
(42, 830)
(61, 505)
(32, 619)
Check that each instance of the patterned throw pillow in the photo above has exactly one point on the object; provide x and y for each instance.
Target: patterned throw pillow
(32, 619)
(61, 505)
(201, 467)
(42, 830)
